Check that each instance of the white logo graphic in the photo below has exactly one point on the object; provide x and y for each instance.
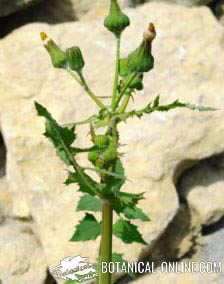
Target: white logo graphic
(74, 268)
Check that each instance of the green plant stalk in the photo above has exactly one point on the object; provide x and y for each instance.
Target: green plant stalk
(74, 75)
(125, 102)
(106, 241)
(89, 92)
(114, 97)
(131, 78)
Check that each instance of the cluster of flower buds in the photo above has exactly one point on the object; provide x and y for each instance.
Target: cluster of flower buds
(72, 57)
(104, 151)
(140, 60)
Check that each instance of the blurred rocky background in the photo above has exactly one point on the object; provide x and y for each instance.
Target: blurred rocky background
(176, 158)
(15, 13)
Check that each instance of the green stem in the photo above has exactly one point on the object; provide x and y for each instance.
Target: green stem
(131, 78)
(74, 76)
(83, 83)
(106, 241)
(125, 102)
(114, 97)
(89, 92)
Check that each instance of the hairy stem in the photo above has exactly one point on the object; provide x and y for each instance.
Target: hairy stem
(106, 242)
(83, 83)
(131, 78)
(74, 75)
(89, 92)
(114, 97)
(125, 102)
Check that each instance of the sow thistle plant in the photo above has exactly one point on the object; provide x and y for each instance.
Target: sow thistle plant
(105, 195)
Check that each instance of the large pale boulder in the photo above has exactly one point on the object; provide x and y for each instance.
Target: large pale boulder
(21, 257)
(202, 187)
(157, 148)
(187, 2)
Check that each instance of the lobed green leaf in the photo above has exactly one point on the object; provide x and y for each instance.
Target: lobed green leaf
(61, 137)
(122, 200)
(85, 182)
(88, 229)
(127, 232)
(89, 203)
(135, 213)
(115, 183)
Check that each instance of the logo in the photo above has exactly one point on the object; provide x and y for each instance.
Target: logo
(74, 268)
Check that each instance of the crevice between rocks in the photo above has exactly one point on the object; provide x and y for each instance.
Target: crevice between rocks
(49, 279)
(215, 9)
(46, 11)
(182, 228)
(210, 229)
(3, 152)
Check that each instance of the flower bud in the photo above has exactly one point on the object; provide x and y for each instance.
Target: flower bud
(93, 156)
(101, 141)
(125, 72)
(110, 154)
(116, 21)
(75, 58)
(58, 57)
(141, 59)
(137, 82)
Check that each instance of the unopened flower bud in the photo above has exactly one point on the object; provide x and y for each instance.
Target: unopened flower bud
(75, 58)
(101, 141)
(93, 156)
(58, 56)
(125, 72)
(116, 21)
(141, 59)
(110, 154)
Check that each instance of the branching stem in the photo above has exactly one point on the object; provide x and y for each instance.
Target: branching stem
(125, 102)
(116, 77)
(81, 80)
(89, 92)
(131, 78)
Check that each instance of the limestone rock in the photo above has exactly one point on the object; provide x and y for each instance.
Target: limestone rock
(157, 148)
(21, 257)
(188, 2)
(202, 186)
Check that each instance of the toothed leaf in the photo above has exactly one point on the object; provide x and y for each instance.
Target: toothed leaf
(89, 203)
(135, 213)
(86, 183)
(61, 137)
(127, 232)
(88, 229)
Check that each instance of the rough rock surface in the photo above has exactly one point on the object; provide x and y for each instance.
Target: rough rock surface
(188, 2)
(69, 10)
(54, 10)
(157, 149)
(21, 256)
(9, 7)
(202, 183)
